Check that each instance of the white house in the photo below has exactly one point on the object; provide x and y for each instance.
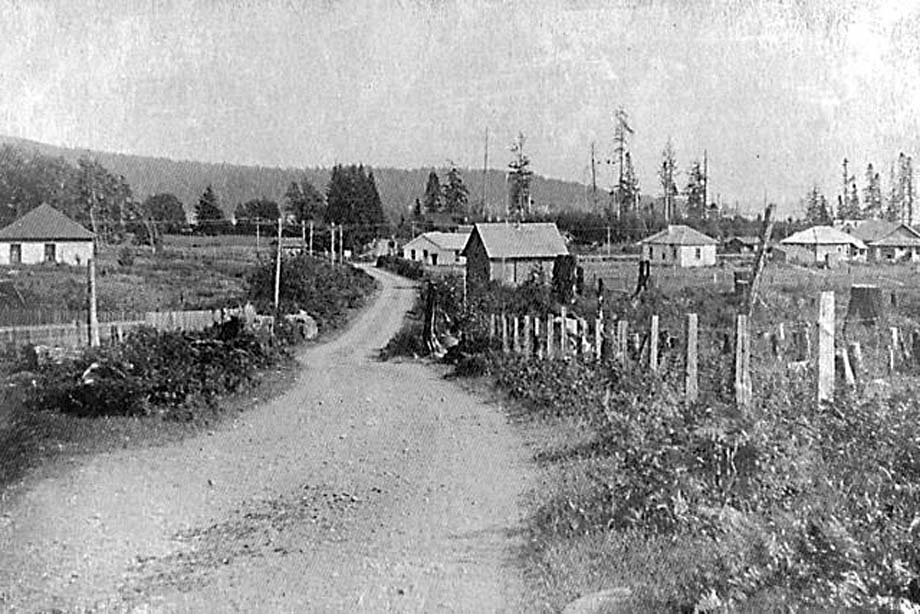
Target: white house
(44, 234)
(827, 245)
(437, 248)
(679, 245)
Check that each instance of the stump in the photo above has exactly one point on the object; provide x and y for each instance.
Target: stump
(867, 305)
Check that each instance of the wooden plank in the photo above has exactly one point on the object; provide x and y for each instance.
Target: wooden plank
(691, 364)
(826, 347)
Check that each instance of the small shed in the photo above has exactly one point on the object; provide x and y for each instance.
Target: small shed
(827, 245)
(44, 234)
(888, 241)
(511, 253)
(681, 246)
(436, 248)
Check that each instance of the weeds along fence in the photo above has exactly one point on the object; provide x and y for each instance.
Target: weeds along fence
(71, 330)
(850, 352)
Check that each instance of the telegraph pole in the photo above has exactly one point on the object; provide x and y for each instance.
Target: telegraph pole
(311, 238)
(593, 179)
(485, 173)
(332, 243)
(278, 270)
(705, 182)
(93, 317)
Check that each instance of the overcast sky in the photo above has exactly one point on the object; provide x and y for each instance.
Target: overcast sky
(777, 92)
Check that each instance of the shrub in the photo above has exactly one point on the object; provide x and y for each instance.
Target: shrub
(407, 268)
(323, 290)
(126, 257)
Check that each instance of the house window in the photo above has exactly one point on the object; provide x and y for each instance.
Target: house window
(50, 252)
(15, 253)
(456, 255)
(674, 249)
(425, 255)
(699, 253)
(413, 254)
(434, 259)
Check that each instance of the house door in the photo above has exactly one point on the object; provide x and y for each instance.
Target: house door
(50, 252)
(15, 253)
(434, 259)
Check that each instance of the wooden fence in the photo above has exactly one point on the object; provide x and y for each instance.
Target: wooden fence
(821, 347)
(75, 333)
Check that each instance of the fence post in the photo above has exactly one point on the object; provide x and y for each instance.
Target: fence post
(691, 370)
(491, 330)
(549, 335)
(742, 362)
(598, 337)
(563, 332)
(892, 350)
(537, 349)
(516, 335)
(856, 360)
(826, 347)
(583, 337)
(848, 378)
(622, 340)
(93, 322)
(504, 333)
(527, 345)
(653, 345)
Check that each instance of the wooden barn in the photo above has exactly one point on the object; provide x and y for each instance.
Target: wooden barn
(44, 234)
(512, 253)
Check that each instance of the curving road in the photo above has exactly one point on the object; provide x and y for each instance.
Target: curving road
(367, 487)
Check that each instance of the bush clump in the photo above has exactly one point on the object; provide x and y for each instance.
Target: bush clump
(323, 290)
(156, 372)
(407, 268)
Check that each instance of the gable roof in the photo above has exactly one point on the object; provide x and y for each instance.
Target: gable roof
(678, 234)
(451, 241)
(883, 233)
(526, 240)
(822, 235)
(45, 223)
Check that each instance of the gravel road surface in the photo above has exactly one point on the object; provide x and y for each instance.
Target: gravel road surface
(366, 487)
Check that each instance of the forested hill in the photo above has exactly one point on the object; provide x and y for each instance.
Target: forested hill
(236, 183)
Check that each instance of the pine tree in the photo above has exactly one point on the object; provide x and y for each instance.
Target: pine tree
(354, 202)
(208, 214)
(816, 210)
(667, 175)
(304, 202)
(519, 179)
(872, 195)
(695, 191)
(849, 208)
(432, 198)
(455, 193)
(622, 194)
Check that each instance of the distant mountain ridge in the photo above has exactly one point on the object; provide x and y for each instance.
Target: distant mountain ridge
(235, 183)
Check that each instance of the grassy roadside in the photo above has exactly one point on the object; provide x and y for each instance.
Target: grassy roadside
(783, 507)
(35, 437)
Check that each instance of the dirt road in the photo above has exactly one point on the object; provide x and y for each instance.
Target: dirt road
(367, 487)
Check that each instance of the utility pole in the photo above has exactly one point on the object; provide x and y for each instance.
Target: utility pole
(93, 316)
(485, 173)
(608, 240)
(303, 236)
(593, 180)
(311, 238)
(705, 182)
(278, 269)
(341, 243)
(332, 243)
(258, 238)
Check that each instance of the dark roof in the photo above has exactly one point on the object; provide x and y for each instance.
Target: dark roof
(525, 240)
(679, 235)
(45, 223)
(745, 240)
(882, 233)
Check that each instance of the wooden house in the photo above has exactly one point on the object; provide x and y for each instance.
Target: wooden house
(827, 245)
(44, 234)
(436, 248)
(512, 253)
(888, 241)
(681, 246)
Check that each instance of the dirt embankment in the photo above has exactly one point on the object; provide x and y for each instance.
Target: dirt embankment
(367, 487)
